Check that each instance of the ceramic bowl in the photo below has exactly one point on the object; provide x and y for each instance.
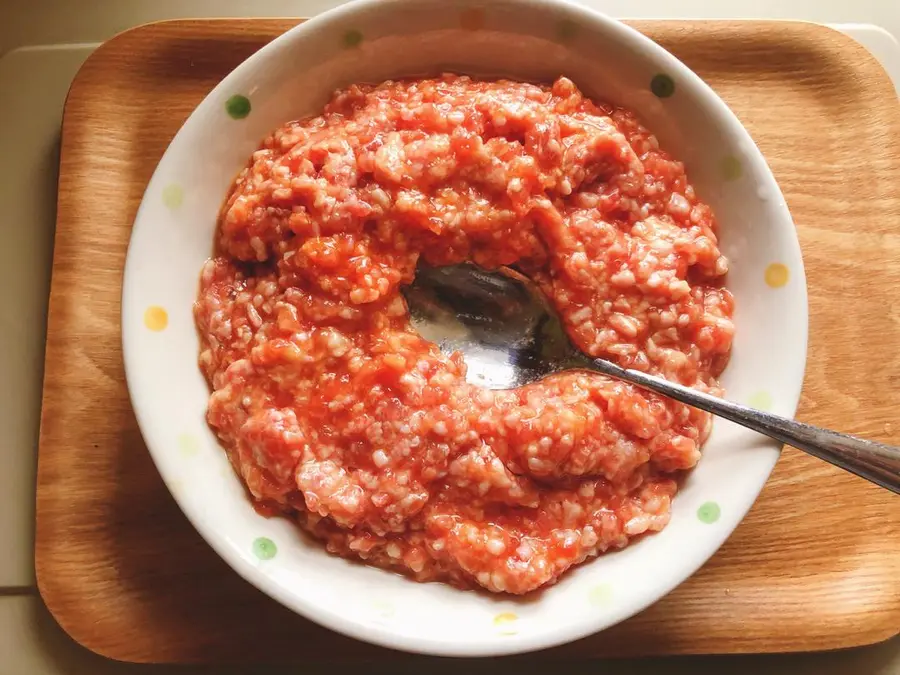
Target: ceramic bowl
(537, 40)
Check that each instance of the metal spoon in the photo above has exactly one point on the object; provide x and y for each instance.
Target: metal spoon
(510, 336)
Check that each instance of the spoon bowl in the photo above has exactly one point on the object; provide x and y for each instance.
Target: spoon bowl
(500, 321)
(510, 336)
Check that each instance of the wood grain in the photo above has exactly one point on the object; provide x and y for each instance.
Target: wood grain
(815, 565)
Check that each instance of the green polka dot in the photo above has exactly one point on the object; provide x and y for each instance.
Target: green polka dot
(188, 445)
(600, 595)
(383, 609)
(662, 86)
(566, 30)
(353, 38)
(731, 168)
(173, 196)
(264, 548)
(709, 513)
(237, 107)
(761, 400)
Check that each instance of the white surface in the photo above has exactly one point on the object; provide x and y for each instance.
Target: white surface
(29, 125)
(291, 78)
(881, 44)
(49, 21)
(30, 643)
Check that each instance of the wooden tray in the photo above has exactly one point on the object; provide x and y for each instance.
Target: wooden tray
(815, 565)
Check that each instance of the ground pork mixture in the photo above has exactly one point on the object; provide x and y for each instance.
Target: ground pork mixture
(337, 414)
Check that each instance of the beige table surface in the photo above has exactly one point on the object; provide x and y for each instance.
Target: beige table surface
(30, 642)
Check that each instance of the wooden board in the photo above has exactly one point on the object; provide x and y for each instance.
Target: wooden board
(815, 565)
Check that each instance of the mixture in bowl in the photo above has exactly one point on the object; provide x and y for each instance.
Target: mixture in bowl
(337, 414)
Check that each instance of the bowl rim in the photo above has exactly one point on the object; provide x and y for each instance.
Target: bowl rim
(384, 635)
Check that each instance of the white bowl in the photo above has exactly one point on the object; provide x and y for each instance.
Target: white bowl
(373, 40)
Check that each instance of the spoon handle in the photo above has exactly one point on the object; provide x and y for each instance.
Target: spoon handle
(876, 462)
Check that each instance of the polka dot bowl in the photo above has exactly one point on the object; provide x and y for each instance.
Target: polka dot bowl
(372, 40)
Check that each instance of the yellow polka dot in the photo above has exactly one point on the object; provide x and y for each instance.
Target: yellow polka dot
(173, 196)
(777, 275)
(506, 622)
(471, 19)
(761, 400)
(383, 609)
(188, 445)
(601, 595)
(156, 318)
